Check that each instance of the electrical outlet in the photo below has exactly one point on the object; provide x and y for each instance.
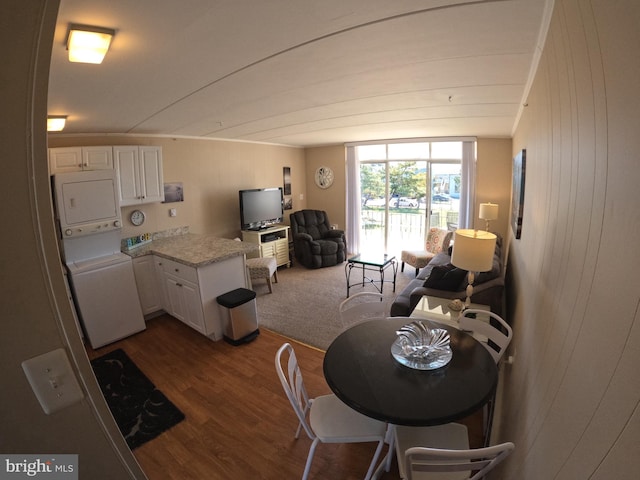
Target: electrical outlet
(173, 212)
(53, 381)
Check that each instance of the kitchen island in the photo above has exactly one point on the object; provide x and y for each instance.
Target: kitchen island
(184, 274)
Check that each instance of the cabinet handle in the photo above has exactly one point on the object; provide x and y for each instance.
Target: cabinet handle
(179, 284)
(177, 269)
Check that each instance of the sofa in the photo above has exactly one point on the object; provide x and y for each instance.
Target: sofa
(441, 279)
(315, 243)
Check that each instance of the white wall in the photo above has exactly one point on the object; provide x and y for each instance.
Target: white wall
(572, 396)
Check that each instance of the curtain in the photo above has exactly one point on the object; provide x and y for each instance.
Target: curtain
(353, 201)
(467, 190)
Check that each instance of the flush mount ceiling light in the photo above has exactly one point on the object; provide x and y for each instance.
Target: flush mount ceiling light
(88, 44)
(55, 123)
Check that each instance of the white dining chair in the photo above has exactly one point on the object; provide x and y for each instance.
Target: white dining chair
(429, 463)
(495, 338)
(329, 419)
(360, 307)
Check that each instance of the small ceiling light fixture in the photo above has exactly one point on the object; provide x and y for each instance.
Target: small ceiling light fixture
(55, 123)
(88, 44)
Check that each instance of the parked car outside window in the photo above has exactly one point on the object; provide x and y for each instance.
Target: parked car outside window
(441, 198)
(403, 202)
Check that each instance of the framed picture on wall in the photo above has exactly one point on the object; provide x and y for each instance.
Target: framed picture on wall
(173, 192)
(288, 203)
(286, 180)
(517, 195)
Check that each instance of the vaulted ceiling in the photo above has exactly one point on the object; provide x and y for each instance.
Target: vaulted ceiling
(300, 72)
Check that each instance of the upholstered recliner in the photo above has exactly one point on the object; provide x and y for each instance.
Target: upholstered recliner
(315, 245)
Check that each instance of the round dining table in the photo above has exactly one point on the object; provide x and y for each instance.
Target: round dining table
(361, 370)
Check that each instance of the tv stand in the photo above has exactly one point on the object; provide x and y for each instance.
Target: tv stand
(273, 242)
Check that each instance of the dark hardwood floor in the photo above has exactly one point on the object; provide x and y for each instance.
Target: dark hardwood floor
(239, 424)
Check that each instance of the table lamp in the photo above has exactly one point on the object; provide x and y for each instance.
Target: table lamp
(473, 251)
(488, 212)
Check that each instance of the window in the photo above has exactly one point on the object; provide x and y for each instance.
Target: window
(406, 188)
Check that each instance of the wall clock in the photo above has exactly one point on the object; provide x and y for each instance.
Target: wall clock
(137, 217)
(324, 177)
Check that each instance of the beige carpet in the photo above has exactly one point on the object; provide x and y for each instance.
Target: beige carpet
(304, 303)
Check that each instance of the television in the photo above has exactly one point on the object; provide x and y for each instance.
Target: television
(260, 208)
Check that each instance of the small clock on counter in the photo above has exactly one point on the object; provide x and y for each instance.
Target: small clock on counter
(137, 217)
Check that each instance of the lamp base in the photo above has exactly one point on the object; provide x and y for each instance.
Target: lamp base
(470, 279)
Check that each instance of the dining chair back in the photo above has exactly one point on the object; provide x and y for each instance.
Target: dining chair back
(495, 334)
(325, 419)
(425, 463)
(360, 307)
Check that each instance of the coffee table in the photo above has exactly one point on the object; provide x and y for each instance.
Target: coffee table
(371, 262)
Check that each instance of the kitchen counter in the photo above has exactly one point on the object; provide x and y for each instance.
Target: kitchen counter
(195, 250)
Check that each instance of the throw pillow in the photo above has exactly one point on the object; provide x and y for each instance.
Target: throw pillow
(445, 277)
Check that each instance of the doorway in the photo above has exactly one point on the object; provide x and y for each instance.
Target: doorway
(407, 188)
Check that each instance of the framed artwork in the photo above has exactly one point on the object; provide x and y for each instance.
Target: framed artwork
(288, 203)
(286, 180)
(517, 192)
(173, 192)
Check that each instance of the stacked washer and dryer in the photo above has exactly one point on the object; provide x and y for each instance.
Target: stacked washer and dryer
(100, 276)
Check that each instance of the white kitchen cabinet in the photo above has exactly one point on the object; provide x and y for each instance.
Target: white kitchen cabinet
(183, 294)
(139, 172)
(76, 159)
(163, 296)
(189, 293)
(149, 289)
(184, 302)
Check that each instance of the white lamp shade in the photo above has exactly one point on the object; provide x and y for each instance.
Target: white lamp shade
(488, 211)
(473, 250)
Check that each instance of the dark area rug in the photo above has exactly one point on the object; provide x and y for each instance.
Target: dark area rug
(141, 411)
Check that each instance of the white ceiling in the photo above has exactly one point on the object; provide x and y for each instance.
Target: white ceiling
(299, 72)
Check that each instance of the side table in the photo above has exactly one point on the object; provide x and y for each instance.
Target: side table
(437, 309)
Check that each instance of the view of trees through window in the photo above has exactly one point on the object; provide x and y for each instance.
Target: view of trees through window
(406, 188)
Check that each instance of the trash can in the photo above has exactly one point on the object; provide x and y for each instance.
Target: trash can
(239, 315)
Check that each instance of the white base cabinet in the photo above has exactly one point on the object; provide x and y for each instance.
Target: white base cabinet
(187, 293)
(149, 289)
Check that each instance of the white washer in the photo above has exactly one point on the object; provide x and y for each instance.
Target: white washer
(106, 298)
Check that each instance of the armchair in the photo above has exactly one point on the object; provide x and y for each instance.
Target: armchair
(315, 245)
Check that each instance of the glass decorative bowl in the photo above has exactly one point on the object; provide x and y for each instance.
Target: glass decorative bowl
(420, 347)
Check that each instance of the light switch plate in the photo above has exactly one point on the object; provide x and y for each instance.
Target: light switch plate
(53, 380)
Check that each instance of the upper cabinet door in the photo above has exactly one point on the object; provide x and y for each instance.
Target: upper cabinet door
(127, 169)
(97, 158)
(139, 172)
(152, 184)
(67, 159)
